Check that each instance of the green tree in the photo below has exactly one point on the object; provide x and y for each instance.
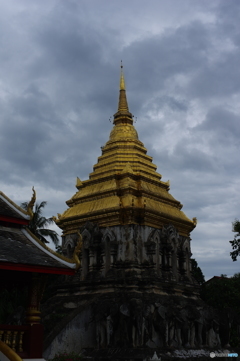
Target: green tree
(38, 224)
(224, 293)
(197, 272)
(236, 241)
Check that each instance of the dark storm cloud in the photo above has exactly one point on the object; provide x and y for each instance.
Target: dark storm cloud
(158, 59)
(28, 127)
(218, 79)
(228, 18)
(192, 159)
(222, 122)
(59, 86)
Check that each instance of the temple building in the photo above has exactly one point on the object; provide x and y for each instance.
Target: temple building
(140, 221)
(135, 288)
(25, 263)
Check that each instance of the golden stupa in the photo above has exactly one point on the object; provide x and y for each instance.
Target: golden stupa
(124, 187)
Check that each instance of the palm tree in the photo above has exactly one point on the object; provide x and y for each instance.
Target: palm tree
(38, 224)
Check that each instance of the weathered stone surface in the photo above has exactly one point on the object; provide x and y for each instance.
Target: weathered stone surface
(134, 251)
(75, 335)
(136, 290)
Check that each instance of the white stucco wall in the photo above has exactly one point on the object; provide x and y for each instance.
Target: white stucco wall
(78, 333)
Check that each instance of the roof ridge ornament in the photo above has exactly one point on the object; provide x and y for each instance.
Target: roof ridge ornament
(31, 204)
(78, 183)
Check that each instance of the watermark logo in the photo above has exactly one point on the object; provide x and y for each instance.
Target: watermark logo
(215, 354)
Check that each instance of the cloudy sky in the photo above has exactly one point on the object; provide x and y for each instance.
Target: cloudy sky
(59, 79)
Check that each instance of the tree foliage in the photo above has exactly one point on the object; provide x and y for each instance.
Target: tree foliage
(236, 241)
(222, 292)
(38, 224)
(197, 272)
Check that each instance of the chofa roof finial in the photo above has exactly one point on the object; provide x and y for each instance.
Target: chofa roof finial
(31, 203)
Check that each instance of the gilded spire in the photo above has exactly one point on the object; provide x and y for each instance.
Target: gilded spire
(124, 187)
(123, 111)
(122, 81)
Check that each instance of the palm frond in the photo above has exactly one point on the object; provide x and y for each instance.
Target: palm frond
(41, 237)
(38, 224)
(42, 222)
(24, 205)
(49, 233)
(39, 208)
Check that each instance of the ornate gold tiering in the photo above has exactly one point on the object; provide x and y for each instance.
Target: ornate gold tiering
(124, 187)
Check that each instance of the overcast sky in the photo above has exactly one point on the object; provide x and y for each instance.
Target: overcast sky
(59, 85)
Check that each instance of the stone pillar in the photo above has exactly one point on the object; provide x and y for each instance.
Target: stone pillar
(174, 265)
(94, 257)
(33, 314)
(151, 251)
(34, 337)
(113, 251)
(102, 258)
(107, 255)
(169, 258)
(157, 257)
(91, 259)
(85, 263)
(178, 266)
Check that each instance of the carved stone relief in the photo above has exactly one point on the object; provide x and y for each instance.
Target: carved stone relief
(164, 323)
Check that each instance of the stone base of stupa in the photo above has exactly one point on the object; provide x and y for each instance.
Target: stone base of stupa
(134, 291)
(104, 325)
(167, 354)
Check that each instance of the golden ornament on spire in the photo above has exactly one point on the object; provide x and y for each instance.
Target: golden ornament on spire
(122, 81)
(123, 114)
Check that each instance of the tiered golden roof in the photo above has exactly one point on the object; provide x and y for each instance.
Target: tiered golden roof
(124, 187)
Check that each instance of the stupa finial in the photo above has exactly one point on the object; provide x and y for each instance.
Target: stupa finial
(122, 81)
(123, 112)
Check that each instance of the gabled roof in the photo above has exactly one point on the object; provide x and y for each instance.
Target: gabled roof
(21, 250)
(10, 209)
